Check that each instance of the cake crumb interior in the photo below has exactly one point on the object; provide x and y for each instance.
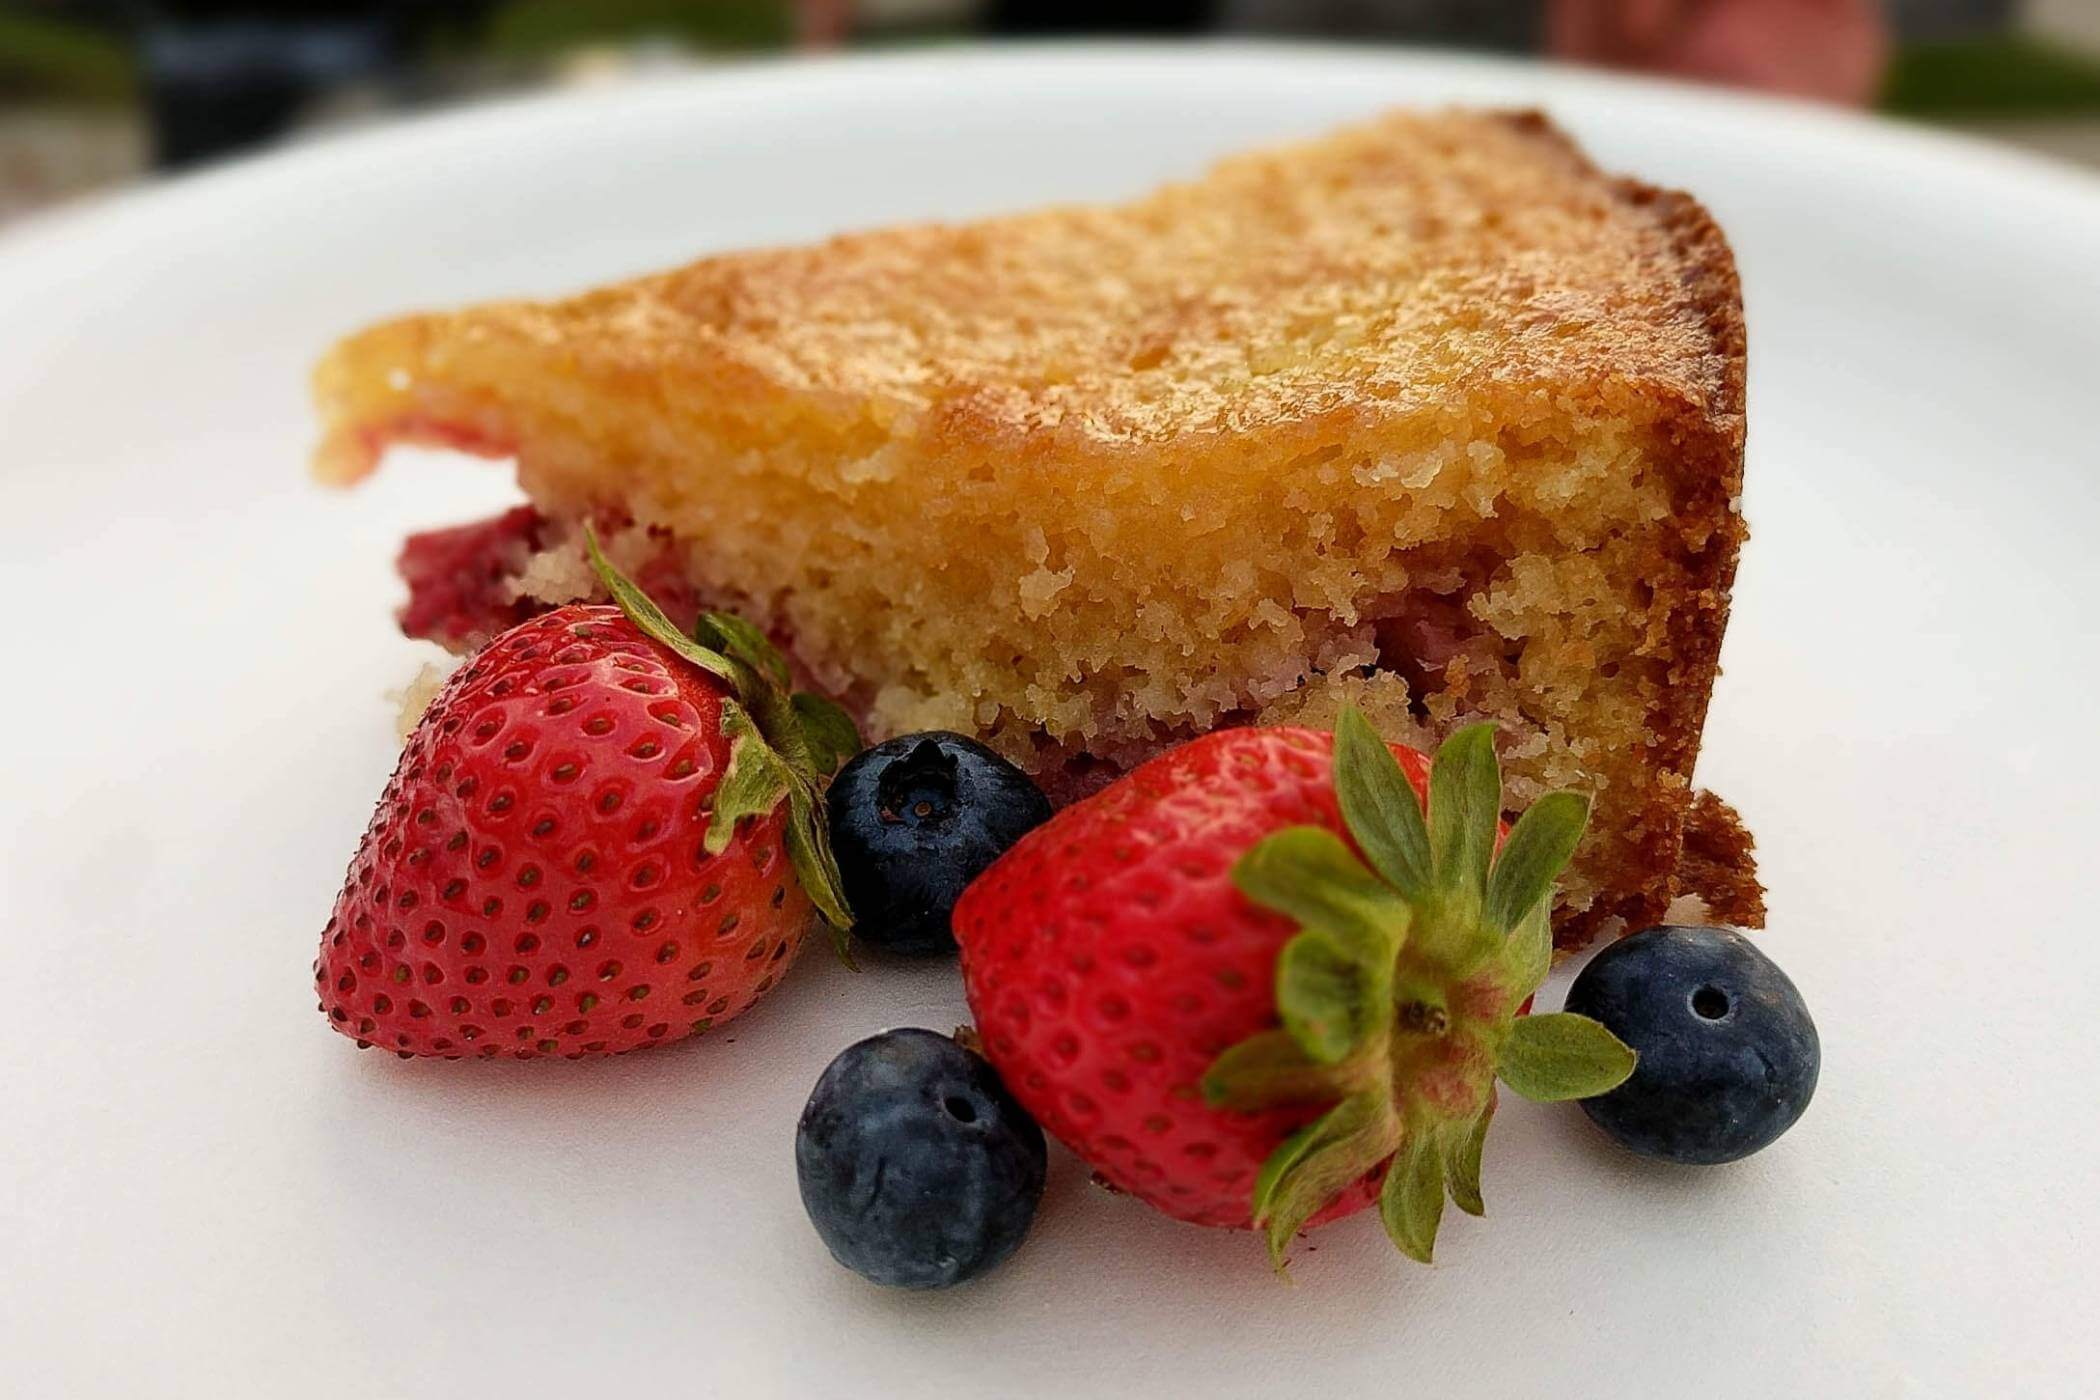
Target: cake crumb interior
(1498, 578)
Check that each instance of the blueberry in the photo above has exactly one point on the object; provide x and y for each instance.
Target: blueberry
(917, 1167)
(1728, 1054)
(913, 822)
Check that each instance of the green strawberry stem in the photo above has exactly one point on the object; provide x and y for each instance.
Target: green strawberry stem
(1398, 996)
(782, 745)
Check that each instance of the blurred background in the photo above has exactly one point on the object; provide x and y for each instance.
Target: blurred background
(94, 93)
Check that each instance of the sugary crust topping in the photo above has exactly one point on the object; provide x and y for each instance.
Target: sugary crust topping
(1371, 273)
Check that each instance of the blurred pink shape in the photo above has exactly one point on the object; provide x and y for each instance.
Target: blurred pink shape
(1831, 50)
(823, 24)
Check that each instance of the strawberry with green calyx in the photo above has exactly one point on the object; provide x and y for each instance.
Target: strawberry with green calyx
(1251, 984)
(782, 743)
(602, 835)
(1400, 996)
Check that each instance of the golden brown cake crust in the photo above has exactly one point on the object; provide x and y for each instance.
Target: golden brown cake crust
(1074, 335)
(1710, 447)
(1718, 865)
(1209, 364)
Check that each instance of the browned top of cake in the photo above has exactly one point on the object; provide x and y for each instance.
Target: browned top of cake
(1375, 271)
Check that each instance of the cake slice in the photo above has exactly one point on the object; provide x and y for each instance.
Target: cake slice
(1428, 415)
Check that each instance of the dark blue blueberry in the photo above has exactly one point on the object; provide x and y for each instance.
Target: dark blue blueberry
(917, 1167)
(1728, 1053)
(913, 822)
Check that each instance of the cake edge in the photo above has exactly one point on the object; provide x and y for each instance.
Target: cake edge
(1709, 462)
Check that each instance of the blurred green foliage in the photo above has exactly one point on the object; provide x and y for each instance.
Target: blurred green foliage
(538, 28)
(54, 60)
(2004, 75)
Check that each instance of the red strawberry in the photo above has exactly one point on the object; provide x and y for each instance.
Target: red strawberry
(602, 834)
(1196, 980)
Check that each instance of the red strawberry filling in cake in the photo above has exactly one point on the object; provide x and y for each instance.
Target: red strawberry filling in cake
(468, 583)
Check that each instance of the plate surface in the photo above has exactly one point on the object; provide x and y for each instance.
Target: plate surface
(203, 1192)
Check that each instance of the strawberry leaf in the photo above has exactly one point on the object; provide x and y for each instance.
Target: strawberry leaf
(1462, 1144)
(732, 636)
(1308, 874)
(832, 736)
(1265, 1070)
(776, 717)
(1380, 806)
(1347, 1141)
(1528, 954)
(1326, 997)
(1465, 808)
(1539, 845)
(809, 850)
(1334, 980)
(1277, 1165)
(1561, 1056)
(1411, 1202)
(754, 784)
(644, 613)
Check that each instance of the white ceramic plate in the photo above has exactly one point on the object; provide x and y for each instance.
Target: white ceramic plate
(205, 1192)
